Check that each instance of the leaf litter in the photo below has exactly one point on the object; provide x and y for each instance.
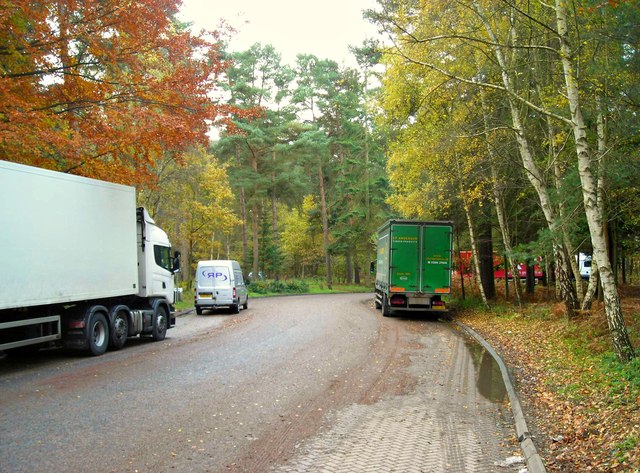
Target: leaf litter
(582, 406)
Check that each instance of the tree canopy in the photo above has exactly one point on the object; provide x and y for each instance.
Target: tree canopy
(104, 88)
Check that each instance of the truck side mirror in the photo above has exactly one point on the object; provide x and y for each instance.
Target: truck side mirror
(176, 262)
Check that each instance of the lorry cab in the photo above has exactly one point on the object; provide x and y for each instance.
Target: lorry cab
(156, 265)
(220, 283)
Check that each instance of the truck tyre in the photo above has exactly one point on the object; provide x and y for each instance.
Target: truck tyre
(97, 334)
(119, 330)
(386, 309)
(160, 322)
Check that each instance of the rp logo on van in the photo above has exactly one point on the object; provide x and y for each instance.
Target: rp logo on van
(214, 275)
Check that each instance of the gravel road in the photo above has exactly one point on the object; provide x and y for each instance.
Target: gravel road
(303, 383)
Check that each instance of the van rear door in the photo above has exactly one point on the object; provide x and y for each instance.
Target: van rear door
(214, 282)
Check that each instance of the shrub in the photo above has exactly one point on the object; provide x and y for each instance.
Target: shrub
(271, 286)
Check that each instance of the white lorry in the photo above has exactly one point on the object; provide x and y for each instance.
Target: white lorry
(82, 266)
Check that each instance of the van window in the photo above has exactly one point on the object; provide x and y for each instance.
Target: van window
(214, 276)
(238, 277)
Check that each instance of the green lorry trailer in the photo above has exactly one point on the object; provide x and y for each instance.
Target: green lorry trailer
(413, 266)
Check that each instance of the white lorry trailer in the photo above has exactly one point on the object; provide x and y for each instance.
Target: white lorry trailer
(82, 266)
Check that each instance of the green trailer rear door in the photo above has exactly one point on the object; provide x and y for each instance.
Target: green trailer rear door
(436, 257)
(405, 273)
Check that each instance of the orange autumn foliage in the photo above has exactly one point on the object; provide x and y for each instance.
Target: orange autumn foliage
(103, 88)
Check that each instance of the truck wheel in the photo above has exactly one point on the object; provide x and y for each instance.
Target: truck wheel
(98, 334)
(160, 321)
(386, 310)
(119, 330)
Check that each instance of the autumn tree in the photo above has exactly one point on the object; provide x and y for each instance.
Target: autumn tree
(194, 203)
(301, 242)
(103, 88)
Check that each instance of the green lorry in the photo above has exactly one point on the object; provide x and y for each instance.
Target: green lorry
(413, 266)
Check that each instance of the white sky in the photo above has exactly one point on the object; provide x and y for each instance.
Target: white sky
(324, 28)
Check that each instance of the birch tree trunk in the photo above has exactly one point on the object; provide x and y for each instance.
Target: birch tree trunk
(620, 338)
(474, 250)
(558, 175)
(474, 240)
(567, 290)
(594, 278)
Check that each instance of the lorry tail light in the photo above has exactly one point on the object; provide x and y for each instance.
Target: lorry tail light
(438, 304)
(77, 324)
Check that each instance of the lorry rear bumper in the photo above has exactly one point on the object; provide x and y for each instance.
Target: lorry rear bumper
(413, 302)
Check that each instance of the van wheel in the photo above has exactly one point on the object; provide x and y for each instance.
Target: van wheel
(198, 310)
(235, 308)
(245, 306)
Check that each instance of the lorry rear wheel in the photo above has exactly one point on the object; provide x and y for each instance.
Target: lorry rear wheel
(160, 321)
(386, 310)
(98, 334)
(119, 330)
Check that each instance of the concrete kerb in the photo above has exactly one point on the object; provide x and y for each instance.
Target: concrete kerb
(534, 462)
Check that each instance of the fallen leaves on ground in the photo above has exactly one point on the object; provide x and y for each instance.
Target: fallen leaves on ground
(585, 416)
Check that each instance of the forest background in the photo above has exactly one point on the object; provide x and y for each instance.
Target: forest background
(518, 121)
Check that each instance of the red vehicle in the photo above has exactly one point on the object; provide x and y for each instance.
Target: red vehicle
(463, 263)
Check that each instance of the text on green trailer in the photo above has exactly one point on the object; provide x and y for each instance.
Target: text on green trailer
(413, 265)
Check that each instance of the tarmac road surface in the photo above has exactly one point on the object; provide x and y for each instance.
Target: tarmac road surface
(293, 384)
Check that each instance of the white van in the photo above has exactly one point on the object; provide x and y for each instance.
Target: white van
(584, 264)
(219, 283)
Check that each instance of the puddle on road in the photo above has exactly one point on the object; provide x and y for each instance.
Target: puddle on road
(488, 376)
